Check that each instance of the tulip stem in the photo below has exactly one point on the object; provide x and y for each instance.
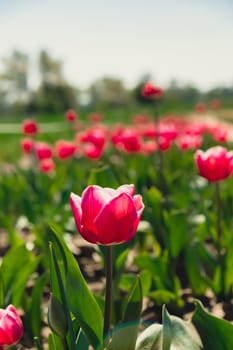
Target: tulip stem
(108, 292)
(218, 218)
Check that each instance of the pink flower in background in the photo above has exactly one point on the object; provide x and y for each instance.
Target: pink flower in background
(95, 117)
(164, 143)
(65, 149)
(47, 165)
(71, 115)
(200, 107)
(107, 216)
(96, 135)
(11, 326)
(127, 139)
(27, 145)
(189, 141)
(215, 104)
(43, 150)
(215, 164)
(92, 151)
(30, 127)
(149, 90)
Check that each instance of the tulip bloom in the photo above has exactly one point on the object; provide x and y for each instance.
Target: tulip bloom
(107, 216)
(43, 150)
(11, 326)
(151, 91)
(215, 164)
(47, 165)
(65, 149)
(70, 115)
(29, 127)
(27, 145)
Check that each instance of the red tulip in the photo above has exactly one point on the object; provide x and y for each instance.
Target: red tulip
(107, 216)
(29, 127)
(215, 164)
(70, 115)
(27, 145)
(92, 151)
(151, 91)
(11, 326)
(65, 149)
(43, 150)
(47, 165)
(200, 107)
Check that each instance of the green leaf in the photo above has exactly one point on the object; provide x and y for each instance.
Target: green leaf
(175, 334)
(125, 335)
(55, 343)
(34, 306)
(150, 338)
(15, 275)
(103, 177)
(215, 333)
(133, 307)
(82, 302)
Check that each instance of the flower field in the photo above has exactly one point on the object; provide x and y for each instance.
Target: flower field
(118, 235)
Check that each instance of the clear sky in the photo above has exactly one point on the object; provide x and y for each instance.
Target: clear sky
(191, 41)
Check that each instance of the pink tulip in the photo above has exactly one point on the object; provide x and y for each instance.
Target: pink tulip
(65, 149)
(70, 115)
(107, 216)
(27, 145)
(215, 164)
(11, 326)
(29, 127)
(151, 91)
(47, 165)
(43, 150)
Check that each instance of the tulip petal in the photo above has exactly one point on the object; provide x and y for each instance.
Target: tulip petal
(75, 202)
(115, 223)
(126, 189)
(93, 200)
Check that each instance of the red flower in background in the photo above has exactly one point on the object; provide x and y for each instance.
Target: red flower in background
(27, 145)
(200, 107)
(92, 151)
(107, 216)
(43, 150)
(215, 104)
(215, 164)
(70, 115)
(47, 165)
(151, 91)
(11, 326)
(65, 149)
(30, 127)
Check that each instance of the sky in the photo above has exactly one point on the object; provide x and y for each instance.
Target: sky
(190, 41)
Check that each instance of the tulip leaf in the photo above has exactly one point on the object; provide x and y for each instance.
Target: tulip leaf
(215, 333)
(55, 343)
(103, 177)
(81, 301)
(125, 335)
(26, 265)
(174, 334)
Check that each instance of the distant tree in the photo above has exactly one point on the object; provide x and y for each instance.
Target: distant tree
(108, 92)
(54, 93)
(14, 80)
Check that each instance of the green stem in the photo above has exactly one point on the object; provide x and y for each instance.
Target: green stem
(221, 261)
(218, 218)
(108, 292)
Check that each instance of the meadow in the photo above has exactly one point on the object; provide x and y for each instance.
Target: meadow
(168, 242)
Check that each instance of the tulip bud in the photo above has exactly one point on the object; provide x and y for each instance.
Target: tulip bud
(11, 326)
(57, 318)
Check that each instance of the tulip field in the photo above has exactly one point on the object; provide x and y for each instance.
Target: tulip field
(117, 236)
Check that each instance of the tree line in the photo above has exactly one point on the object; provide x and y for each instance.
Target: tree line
(54, 93)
